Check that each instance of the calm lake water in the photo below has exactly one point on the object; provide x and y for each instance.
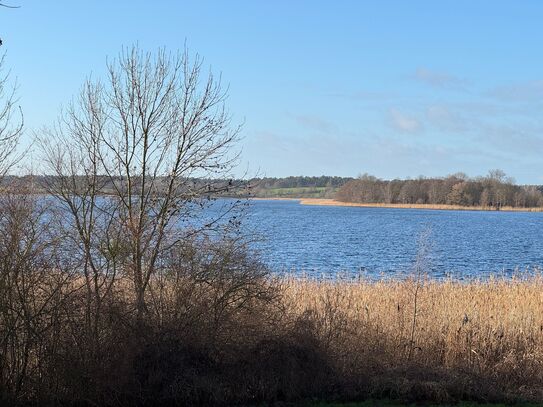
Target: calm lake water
(382, 242)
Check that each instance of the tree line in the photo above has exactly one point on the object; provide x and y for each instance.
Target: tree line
(228, 186)
(494, 190)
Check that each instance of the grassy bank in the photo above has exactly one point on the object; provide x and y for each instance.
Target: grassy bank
(333, 202)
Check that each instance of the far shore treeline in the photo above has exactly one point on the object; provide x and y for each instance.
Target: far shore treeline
(495, 190)
(286, 187)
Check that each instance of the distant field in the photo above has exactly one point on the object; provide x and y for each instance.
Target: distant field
(298, 192)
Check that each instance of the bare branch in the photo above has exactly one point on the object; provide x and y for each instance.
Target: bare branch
(11, 127)
(8, 6)
(139, 137)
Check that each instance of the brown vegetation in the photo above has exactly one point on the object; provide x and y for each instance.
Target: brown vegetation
(68, 335)
(478, 340)
(334, 202)
(493, 191)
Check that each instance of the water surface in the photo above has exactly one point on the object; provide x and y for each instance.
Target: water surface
(326, 240)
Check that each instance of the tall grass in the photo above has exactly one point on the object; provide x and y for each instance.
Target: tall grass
(333, 202)
(481, 340)
(222, 339)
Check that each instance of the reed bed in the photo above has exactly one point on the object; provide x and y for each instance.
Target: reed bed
(481, 339)
(239, 337)
(333, 202)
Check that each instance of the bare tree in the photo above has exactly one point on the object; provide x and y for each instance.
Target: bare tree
(2, 4)
(144, 139)
(421, 267)
(11, 126)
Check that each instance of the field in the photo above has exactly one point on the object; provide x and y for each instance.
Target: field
(298, 192)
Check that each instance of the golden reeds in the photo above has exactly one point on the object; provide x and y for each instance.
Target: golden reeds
(333, 202)
(492, 329)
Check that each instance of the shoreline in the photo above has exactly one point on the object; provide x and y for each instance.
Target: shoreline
(273, 199)
(333, 202)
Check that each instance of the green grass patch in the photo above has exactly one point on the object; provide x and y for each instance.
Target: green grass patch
(298, 192)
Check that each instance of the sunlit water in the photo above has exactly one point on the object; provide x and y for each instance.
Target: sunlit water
(377, 242)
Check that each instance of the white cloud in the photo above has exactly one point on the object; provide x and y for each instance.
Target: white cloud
(404, 122)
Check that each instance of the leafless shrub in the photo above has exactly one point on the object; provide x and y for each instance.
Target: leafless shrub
(32, 292)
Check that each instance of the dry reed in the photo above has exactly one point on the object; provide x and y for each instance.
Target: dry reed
(333, 202)
(490, 333)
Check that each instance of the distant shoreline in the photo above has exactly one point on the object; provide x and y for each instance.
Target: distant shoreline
(274, 199)
(333, 202)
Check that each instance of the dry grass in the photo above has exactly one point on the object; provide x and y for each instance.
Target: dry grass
(333, 202)
(491, 332)
(226, 339)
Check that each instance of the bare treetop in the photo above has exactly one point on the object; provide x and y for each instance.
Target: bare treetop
(155, 123)
(11, 122)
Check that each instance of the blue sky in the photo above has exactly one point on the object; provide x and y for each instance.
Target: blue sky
(392, 88)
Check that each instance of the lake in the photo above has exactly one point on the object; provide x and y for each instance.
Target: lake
(383, 242)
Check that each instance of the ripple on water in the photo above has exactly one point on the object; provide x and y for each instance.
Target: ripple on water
(331, 240)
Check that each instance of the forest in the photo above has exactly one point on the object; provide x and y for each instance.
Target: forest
(494, 190)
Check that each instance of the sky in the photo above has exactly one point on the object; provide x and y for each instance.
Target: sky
(395, 89)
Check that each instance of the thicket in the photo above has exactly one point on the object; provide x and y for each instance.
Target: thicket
(495, 190)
